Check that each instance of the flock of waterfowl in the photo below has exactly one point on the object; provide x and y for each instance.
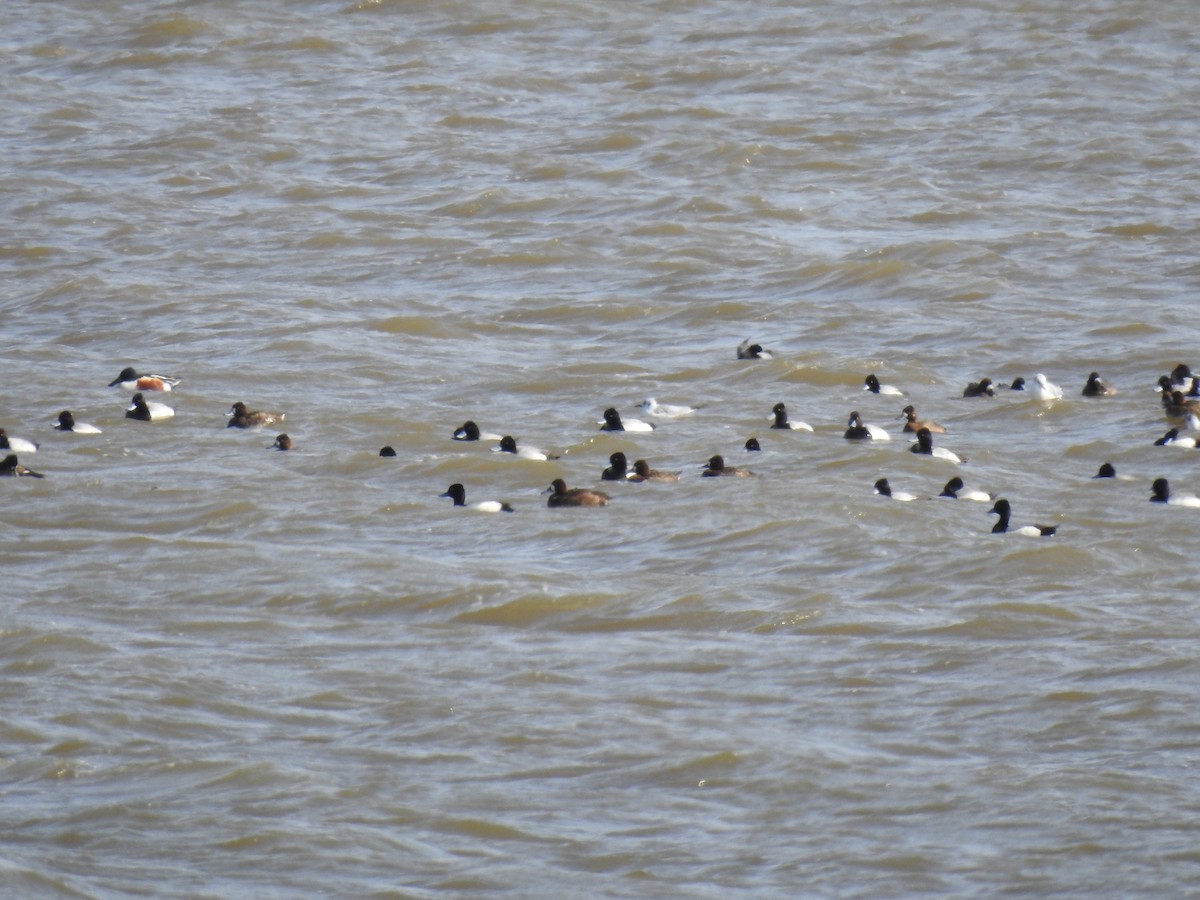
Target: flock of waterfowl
(1180, 393)
(139, 409)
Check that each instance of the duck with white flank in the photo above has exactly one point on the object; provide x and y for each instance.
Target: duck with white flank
(955, 491)
(508, 444)
(748, 350)
(924, 447)
(612, 422)
(857, 431)
(779, 414)
(130, 380)
(1160, 492)
(1004, 510)
(458, 494)
(872, 384)
(66, 422)
(883, 488)
(148, 411)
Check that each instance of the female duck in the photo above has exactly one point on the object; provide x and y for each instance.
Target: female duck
(780, 415)
(458, 494)
(716, 467)
(560, 496)
(1004, 510)
(642, 472)
(912, 424)
(981, 388)
(241, 417)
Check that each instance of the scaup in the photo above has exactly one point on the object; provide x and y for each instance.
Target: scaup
(779, 414)
(1004, 510)
(458, 494)
(147, 411)
(66, 422)
(560, 496)
(11, 468)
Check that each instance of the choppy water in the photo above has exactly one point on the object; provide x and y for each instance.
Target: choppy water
(234, 672)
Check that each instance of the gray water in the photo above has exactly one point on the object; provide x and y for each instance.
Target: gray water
(229, 671)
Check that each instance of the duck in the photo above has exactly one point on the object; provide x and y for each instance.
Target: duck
(1182, 378)
(387, 451)
(1160, 492)
(282, 442)
(1173, 439)
(981, 388)
(780, 415)
(1106, 470)
(924, 446)
(1097, 388)
(618, 468)
(748, 350)
(469, 431)
(612, 422)
(147, 411)
(66, 422)
(1018, 384)
(883, 488)
(857, 431)
(10, 467)
(16, 444)
(1045, 390)
(716, 466)
(458, 494)
(508, 444)
(241, 417)
(872, 384)
(912, 424)
(1179, 408)
(652, 407)
(752, 445)
(642, 473)
(131, 380)
(955, 491)
(560, 496)
(1003, 509)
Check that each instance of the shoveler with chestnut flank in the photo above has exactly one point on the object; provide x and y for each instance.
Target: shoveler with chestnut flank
(132, 381)
(145, 411)
(66, 422)
(10, 467)
(16, 444)
(241, 417)
(561, 496)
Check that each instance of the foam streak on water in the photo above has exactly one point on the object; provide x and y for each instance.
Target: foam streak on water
(228, 671)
